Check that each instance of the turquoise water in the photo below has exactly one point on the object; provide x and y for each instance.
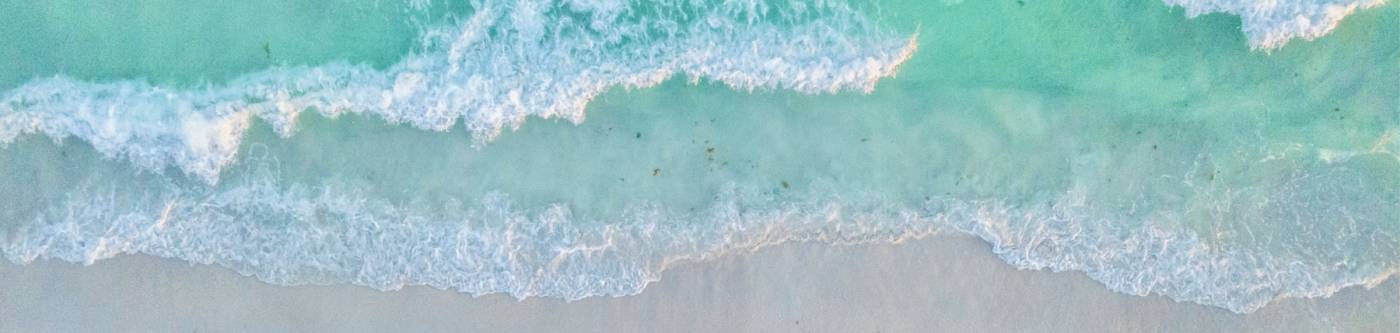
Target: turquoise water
(575, 149)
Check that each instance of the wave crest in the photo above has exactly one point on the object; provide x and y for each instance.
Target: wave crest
(508, 61)
(1271, 24)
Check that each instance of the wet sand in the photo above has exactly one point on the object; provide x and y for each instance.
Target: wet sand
(939, 284)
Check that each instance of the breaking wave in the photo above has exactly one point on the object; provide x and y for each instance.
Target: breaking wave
(508, 61)
(1271, 24)
(339, 233)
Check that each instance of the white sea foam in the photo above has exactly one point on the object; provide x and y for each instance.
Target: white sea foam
(1271, 24)
(514, 59)
(508, 61)
(294, 234)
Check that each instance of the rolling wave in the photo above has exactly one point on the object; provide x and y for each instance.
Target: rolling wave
(508, 61)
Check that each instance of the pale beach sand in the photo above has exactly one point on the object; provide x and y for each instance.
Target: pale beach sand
(945, 283)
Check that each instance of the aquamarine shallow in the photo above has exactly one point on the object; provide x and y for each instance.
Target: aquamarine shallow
(1156, 153)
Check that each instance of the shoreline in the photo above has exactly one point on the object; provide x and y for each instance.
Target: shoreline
(943, 282)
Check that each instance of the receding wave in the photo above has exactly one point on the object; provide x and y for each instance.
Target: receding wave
(493, 245)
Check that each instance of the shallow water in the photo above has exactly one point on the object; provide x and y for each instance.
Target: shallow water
(1158, 154)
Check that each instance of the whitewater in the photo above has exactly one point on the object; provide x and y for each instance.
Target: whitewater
(348, 172)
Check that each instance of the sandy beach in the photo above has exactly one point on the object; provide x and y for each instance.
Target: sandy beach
(945, 283)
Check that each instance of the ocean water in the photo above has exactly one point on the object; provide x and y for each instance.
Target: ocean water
(1228, 153)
